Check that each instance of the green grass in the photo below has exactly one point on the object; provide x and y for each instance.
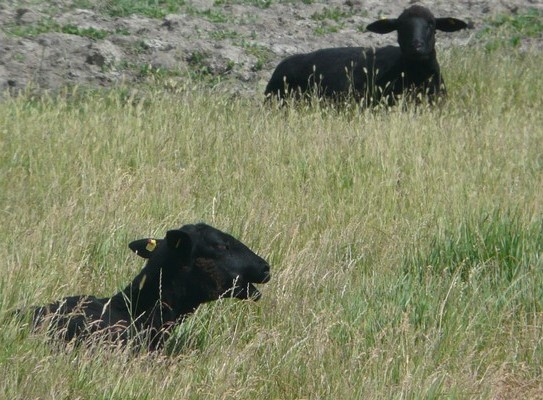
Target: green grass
(325, 17)
(48, 25)
(507, 30)
(335, 14)
(325, 28)
(117, 8)
(406, 244)
(156, 8)
(148, 8)
(256, 3)
(260, 52)
(224, 34)
(210, 14)
(496, 245)
(259, 3)
(92, 33)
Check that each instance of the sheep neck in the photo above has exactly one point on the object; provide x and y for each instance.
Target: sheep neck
(156, 295)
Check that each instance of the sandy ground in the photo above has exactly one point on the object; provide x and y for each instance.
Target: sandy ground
(54, 44)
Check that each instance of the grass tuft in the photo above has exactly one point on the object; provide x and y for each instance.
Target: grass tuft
(498, 245)
(508, 31)
(405, 243)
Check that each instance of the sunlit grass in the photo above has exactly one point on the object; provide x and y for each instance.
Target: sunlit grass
(406, 245)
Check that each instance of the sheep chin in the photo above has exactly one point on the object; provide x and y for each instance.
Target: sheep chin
(244, 291)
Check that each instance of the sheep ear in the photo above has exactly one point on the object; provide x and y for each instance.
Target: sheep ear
(143, 247)
(177, 239)
(386, 25)
(450, 24)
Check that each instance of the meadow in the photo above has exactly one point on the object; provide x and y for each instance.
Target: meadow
(406, 244)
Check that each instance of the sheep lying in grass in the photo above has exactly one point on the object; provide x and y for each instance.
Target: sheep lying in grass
(190, 266)
(371, 75)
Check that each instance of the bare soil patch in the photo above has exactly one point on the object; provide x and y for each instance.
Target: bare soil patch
(232, 44)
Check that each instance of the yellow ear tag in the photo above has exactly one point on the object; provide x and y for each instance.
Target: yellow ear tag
(151, 244)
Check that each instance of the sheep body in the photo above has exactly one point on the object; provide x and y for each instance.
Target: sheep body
(366, 74)
(190, 266)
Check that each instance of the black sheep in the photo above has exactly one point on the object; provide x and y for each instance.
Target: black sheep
(190, 266)
(371, 75)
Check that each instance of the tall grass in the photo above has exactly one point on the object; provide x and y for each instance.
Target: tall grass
(406, 245)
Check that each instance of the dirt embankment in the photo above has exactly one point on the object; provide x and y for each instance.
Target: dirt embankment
(234, 43)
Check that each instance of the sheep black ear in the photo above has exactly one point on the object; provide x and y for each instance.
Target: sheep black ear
(450, 24)
(386, 25)
(143, 247)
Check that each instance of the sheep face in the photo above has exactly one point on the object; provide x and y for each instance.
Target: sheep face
(218, 264)
(231, 264)
(416, 28)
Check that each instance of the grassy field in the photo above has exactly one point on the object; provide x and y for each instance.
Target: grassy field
(406, 245)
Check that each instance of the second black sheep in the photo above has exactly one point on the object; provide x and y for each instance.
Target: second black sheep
(371, 75)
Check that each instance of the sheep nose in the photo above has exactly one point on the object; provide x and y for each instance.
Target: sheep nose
(417, 45)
